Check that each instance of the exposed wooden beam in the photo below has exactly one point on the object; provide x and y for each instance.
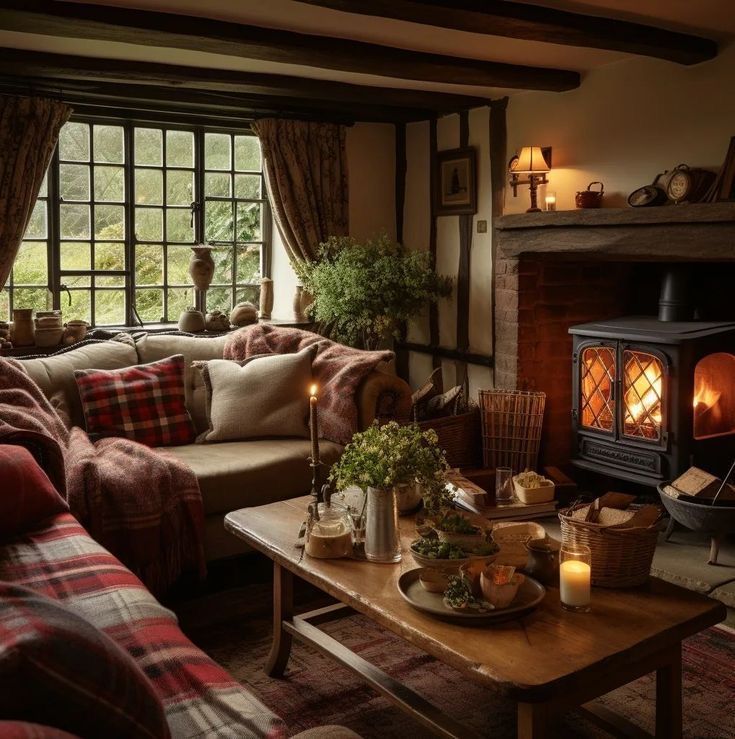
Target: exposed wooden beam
(63, 67)
(148, 28)
(537, 23)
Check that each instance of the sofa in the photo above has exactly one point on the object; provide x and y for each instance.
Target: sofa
(232, 474)
(55, 557)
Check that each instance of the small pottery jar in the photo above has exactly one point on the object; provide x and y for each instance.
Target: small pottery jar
(298, 314)
(192, 321)
(201, 266)
(543, 560)
(216, 320)
(23, 329)
(75, 331)
(243, 314)
(48, 336)
(266, 297)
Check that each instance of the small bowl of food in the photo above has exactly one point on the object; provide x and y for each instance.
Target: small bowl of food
(437, 555)
(499, 584)
(458, 530)
(531, 488)
(434, 581)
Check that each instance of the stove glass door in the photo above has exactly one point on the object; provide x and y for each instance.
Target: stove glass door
(596, 388)
(643, 399)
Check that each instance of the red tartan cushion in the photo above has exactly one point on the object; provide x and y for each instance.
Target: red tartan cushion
(144, 403)
(57, 669)
(26, 494)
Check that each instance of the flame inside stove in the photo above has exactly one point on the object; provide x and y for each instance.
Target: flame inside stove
(706, 400)
(644, 396)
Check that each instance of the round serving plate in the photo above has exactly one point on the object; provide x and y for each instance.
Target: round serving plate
(530, 594)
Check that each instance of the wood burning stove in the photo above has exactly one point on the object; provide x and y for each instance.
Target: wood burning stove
(652, 397)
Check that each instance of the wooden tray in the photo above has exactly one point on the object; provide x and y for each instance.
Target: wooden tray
(530, 594)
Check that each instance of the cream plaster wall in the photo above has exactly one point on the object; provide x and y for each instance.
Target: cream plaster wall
(371, 165)
(627, 122)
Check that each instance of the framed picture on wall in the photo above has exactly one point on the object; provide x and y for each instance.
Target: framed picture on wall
(456, 182)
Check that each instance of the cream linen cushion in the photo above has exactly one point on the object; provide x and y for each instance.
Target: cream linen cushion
(263, 396)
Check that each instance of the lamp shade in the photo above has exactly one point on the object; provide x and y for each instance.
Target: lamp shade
(531, 161)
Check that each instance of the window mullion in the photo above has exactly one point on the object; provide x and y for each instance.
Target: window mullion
(54, 234)
(129, 202)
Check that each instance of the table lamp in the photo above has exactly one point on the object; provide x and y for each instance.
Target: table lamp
(530, 162)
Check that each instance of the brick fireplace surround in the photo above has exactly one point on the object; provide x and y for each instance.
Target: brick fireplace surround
(554, 270)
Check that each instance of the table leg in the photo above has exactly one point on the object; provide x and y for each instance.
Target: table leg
(533, 721)
(275, 665)
(668, 697)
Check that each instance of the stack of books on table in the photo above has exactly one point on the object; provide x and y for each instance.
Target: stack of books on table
(472, 498)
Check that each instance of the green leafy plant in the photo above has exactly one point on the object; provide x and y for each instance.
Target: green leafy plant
(364, 290)
(391, 455)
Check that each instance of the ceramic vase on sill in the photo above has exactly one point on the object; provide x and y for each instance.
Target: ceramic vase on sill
(382, 534)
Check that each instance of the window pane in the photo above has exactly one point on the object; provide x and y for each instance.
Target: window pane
(80, 308)
(218, 221)
(74, 142)
(247, 153)
(149, 304)
(148, 146)
(37, 228)
(217, 151)
(218, 185)
(149, 224)
(108, 144)
(75, 255)
(4, 305)
(74, 281)
(109, 222)
(219, 298)
(248, 264)
(247, 186)
(43, 192)
(179, 299)
(178, 225)
(250, 294)
(149, 186)
(179, 187)
(109, 307)
(74, 221)
(74, 181)
(248, 222)
(179, 148)
(109, 256)
(109, 184)
(222, 264)
(178, 265)
(31, 264)
(31, 297)
(149, 265)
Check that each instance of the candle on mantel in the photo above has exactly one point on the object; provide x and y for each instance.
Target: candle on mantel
(550, 201)
(314, 424)
(574, 583)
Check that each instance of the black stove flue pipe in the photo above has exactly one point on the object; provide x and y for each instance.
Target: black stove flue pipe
(675, 302)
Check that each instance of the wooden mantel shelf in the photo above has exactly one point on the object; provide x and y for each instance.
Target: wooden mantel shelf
(700, 232)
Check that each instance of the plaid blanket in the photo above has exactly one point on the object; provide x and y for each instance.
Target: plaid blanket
(338, 370)
(61, 561)
(142, 505)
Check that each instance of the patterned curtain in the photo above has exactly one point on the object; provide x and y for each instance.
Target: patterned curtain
(29, 130)
(306, 176)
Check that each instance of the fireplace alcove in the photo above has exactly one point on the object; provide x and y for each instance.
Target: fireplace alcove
(558, 270)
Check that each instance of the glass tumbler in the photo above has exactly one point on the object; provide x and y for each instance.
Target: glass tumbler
(503, 485)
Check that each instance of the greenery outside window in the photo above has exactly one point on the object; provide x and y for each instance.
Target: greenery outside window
(110, 236)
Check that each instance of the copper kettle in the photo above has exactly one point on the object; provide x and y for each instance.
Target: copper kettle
(590, 198)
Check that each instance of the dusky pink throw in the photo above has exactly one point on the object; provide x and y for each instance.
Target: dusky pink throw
(338, 370)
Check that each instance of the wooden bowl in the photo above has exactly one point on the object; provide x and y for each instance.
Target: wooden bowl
(434, 581)
(466, 541)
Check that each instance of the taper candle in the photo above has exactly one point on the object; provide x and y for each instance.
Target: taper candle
(314, 424)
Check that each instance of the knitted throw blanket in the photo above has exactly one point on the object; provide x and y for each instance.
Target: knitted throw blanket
(338, 370)
(142, 505)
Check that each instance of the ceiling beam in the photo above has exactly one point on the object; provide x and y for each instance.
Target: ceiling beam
(148, 28)
(537, 23)
(62, 68)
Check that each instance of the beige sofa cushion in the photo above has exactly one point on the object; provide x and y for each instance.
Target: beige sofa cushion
(237, 474)
(153, 347)
(55, 375)
(263, 396)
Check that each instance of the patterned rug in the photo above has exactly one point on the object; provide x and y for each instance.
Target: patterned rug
(234, 628)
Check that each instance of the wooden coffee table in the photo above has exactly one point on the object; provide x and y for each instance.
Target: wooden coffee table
(550, 662)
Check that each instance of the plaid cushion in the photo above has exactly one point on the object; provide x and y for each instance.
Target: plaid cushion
(144, 403)
(28, 495)
(59, 670)
(200, 699)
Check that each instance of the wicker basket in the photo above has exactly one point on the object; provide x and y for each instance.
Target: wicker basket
(511, 428)
(621, 558)
(459, 436)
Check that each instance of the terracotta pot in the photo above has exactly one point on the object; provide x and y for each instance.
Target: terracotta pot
(201, 266)
(217, 321)
(192, 321)
(75, 331)
(23, 329)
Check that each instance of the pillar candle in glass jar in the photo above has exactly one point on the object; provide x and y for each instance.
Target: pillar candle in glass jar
(575, 576)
